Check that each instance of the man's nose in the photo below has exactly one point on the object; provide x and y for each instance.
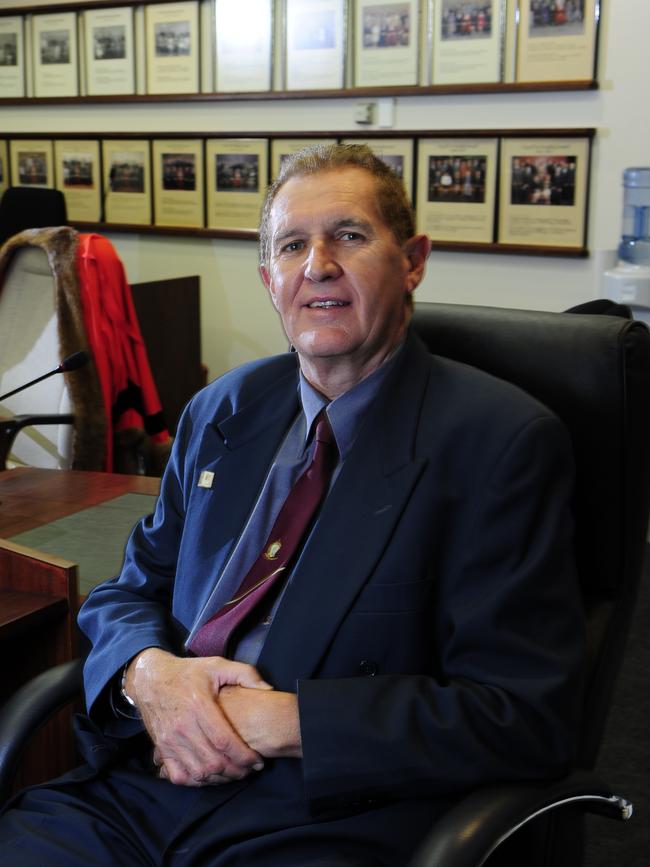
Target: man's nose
(321, 264)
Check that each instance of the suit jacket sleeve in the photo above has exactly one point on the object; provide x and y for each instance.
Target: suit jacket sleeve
(506, 645)
(132, 611)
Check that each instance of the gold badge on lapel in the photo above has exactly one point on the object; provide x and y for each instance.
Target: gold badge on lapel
(271, 552)
(205, 479)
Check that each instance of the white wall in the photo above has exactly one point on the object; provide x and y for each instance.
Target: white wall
(239, 324)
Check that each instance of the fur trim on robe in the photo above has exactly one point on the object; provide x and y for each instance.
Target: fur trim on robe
(60, 245)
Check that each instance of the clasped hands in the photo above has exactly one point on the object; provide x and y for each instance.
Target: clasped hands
(211, 720)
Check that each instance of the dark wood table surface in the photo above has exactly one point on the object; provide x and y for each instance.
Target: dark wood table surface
(31, 497)
(38, 592)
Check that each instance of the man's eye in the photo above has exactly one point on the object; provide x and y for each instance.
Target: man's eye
(350, 236)
(292, 247)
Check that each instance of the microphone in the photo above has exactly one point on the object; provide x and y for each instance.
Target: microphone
(71, 362)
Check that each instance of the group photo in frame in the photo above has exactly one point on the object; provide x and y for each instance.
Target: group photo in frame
(110, 54)
(31, 163)
(77, 173)
(243, 45)
(456, 192)
(12, 57)
(178, 182)
(468, 41)
(315, 44)
(386, 42)
(543, 191)
(556, 40)
(127, 181)
(54, 52)
(172, 47)
(237, 172)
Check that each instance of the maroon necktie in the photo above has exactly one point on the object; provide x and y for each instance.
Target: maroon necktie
(283, 542)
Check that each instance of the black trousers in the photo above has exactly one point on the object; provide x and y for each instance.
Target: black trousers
(127, 817)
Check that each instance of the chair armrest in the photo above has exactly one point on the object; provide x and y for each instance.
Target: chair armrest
(9, 428)
(28, 709)
(468, 834)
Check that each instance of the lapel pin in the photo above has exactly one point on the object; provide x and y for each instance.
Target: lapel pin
(205, 479)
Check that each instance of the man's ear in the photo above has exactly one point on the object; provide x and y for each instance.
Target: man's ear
(416, 250)
(266, 279)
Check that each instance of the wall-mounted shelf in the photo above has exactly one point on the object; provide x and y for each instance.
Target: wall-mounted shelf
(436, 246)
(347, 93)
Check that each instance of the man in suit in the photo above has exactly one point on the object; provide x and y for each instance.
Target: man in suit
(426, 636)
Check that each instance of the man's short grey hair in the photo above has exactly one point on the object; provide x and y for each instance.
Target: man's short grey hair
(393, 203)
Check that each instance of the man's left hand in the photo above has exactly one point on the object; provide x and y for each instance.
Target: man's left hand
(267, 720)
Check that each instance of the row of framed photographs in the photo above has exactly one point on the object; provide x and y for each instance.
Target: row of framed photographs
(472, 189)
(193, 46)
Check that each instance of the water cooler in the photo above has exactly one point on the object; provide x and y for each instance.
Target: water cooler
(629, 282)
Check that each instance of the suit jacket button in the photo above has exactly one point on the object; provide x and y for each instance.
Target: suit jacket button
(368, 668)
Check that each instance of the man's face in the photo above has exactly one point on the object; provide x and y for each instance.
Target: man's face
(336, 273)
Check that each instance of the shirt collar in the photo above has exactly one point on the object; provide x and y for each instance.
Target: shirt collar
(347, 411)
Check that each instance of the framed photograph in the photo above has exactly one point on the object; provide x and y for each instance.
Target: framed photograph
(76, 168)
(396, 153)
(54, 50)
(178, 182)
(172, 40)
(456, 191)
(12, 57)
(31, 163)
(110, 58)
(237, 172)
(4, 167)
(556, 40)
(127, 181)
(543, 191)
(315, 44)
(468, 41)
(386, 42)
(281, 148)
(244, 45)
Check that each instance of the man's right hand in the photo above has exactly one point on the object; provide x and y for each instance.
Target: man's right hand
(194, 744)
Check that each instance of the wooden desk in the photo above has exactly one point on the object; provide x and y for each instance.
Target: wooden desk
(39, 591)
(31, 497)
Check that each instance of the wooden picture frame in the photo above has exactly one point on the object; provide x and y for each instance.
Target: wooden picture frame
(126, 166)
(178, 182)
(543, 191)
(12, 56)
(386, 43)
(55, 54)
(243, 45)
(31, 163)
(110, 51)
(172, 47)
(468, 41)
(456, 191)
(237, 173)
(556, 41)
(315, 44)
(78, 176)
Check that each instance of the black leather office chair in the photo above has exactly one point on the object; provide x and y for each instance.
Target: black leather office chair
(30, 208)
(594, 372)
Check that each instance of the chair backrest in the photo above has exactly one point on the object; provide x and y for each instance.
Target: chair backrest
(30, 208)
(593, 371)
(29, 344)
(40, 323)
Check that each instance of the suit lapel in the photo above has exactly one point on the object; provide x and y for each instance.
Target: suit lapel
(238, 450)
(356, 522)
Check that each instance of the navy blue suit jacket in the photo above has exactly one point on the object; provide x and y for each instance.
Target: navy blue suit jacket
(432, 627)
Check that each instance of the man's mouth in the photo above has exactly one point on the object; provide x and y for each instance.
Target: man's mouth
(325, 304)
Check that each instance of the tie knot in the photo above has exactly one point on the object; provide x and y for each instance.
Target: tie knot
(324, 432)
